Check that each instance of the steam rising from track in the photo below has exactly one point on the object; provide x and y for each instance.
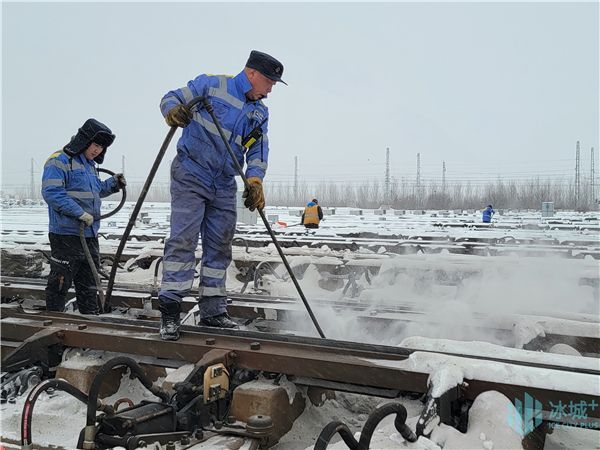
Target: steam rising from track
(471, 310)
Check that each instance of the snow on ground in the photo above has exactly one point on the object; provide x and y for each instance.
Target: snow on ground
(58, 418)
(488, 425)
(529, 296)
(449, 371)
(495, 351)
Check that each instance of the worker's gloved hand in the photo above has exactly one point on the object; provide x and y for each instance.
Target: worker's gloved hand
(255, 197)
(179, 116)
(87, 218)
(120, 179)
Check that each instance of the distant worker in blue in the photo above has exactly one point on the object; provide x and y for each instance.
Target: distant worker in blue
(72, 189)
(488, 212)
(312, 215)
(203, 187)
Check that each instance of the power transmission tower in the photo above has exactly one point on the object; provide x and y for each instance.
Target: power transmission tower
(418, 170)
(443, 177)
(387, 174)
(577, 180)
(295, 178)
(32, 183)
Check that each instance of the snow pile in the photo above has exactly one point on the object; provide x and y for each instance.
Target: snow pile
(564, 349)
(568, 438)
(351, 409)
(525, 330)
(488, 426)
(444, 378)
(497, 372)
(563, 355)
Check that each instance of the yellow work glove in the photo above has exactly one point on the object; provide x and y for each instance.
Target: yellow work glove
(255, 197)
(179, 116)
(87, 218)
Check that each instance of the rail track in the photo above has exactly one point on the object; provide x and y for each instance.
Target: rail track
(29, 337)
(495, 245)
(33, 337)
(280, 314)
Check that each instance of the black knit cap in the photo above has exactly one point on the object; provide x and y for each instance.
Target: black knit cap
(90, 131)
(266, 64)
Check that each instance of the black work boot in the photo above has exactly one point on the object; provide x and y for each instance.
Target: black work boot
(220, 321)
(169, 323)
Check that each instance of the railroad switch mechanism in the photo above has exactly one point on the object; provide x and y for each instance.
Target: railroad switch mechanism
(264, 398)
(244, 393)
(216, 383)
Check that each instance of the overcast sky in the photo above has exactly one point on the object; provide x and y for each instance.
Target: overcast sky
(490, 88)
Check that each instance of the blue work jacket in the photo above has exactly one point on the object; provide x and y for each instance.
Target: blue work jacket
(71, 186)
(201, 148)
(487, 215)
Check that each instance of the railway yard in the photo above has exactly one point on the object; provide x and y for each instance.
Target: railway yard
(441, 332)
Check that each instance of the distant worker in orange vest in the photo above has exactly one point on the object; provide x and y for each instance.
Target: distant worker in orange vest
(312, 215)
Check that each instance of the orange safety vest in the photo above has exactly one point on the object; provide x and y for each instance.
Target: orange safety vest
(311, 215)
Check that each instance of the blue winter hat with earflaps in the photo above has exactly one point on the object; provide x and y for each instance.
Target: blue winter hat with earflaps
(90, 131)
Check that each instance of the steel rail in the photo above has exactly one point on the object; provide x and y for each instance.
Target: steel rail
(350, 364)
(271, 311)
(150, 330)
(392, 246)
(140, 292)
(34, 288)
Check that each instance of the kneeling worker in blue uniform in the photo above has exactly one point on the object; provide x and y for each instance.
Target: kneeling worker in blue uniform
(72, 189)
(203, 187)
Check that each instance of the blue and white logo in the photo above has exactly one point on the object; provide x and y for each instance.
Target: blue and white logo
(526, 416)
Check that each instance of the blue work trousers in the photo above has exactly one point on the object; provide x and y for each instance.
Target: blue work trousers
(198, 210)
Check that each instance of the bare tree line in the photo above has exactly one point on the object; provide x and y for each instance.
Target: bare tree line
(402, 194)
(405, 194)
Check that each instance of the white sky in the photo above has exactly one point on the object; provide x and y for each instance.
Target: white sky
(491, 88)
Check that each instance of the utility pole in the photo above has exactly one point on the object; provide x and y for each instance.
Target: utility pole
(577, 180)
(592, 177)
(295, 178)
(123, 164)
(32, 183)
(444, 177)
(387, 174)
(418, 180)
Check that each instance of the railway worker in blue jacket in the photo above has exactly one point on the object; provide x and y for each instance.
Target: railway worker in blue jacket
(72, 189)
(203, 188)
(488, 212)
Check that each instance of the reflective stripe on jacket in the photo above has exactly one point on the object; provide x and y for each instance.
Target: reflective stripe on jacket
(70, 186)
(311, 214)
(201, 146)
